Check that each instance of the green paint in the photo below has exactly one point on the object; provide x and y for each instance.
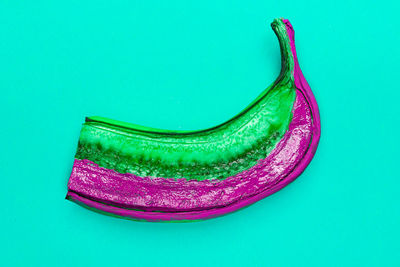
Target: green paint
(218, 152)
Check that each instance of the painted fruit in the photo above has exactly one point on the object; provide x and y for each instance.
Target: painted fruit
(149, 174)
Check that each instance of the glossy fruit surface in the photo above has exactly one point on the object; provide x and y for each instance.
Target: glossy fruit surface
(149, 174)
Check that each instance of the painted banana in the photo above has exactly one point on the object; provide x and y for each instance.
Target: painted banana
(158, 175)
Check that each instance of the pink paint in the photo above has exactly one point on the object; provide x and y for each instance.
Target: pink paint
(155, 199)
(303, 86)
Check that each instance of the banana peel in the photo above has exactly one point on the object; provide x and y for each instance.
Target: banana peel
(141, 173)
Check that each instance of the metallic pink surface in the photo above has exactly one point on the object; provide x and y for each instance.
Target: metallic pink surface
(153, 198)
(303, 86)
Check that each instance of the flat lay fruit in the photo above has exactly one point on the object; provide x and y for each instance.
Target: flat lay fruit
(149, 174)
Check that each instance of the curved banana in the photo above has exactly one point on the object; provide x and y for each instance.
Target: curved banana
(150, 174)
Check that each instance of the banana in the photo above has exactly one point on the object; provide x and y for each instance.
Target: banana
(150, 174)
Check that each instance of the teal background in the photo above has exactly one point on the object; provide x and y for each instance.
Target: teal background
(185, 65)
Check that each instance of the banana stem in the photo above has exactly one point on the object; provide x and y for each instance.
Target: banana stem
(288, 58)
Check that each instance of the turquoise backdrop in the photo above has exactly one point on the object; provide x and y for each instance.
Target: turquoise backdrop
(189, 65)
